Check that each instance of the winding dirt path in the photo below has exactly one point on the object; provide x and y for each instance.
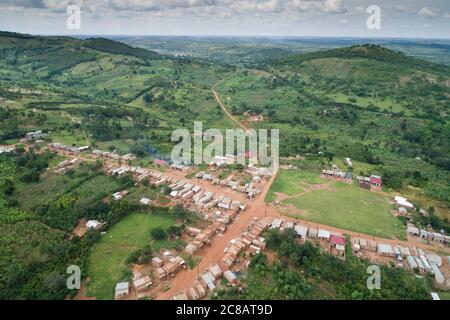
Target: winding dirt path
(222, 105)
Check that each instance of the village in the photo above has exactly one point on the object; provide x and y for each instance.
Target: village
(232, 204)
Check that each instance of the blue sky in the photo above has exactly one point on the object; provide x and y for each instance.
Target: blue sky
(403, 18)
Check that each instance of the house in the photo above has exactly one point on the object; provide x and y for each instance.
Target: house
(424, 234)
(146, 201)
(437, 274)
(157, 262)
(403, 202)
(276, 224)
(402, 211)
(301, 231)
(93, 224)
(435, 296)
(216, 271)
(411, 262)
(142, 284)
(122, 290)
(349, 162)
(180, 296)
(413, 231)
(312, 233)
(376, 181)
(324, 235)
(386, 250)
(438, 237)
(119, 195)
(338, 242)
(230, 276)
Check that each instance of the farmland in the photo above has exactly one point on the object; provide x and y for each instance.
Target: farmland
(107, 264)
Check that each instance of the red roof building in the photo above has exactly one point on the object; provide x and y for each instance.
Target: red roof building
(376, 181)
(337, 240)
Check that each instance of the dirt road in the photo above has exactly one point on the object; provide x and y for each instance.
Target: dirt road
(213, 254)
(219, 101)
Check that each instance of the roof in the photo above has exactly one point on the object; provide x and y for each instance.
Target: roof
(385, 248)
(324, 234)
(122, 287)
(337, 240)
(435, 296)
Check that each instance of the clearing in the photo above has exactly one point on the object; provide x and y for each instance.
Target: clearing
(107, 263)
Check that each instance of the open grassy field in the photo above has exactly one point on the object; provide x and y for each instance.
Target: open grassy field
(107, 264)
(290, 182)
(349, 207)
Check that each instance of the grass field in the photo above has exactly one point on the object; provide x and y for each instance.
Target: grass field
(107, 263)
(290, 182)
(350, 207)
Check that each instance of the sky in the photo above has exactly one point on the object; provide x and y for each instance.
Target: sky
(330, 18)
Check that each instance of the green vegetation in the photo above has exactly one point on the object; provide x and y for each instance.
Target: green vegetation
(349, 207)
(290, 182)
(107, 264)
(305, 272)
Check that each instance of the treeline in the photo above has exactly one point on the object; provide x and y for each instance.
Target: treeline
(305, 271)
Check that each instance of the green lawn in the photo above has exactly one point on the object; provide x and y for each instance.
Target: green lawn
(289, 182)
(352, 208)
(107, 263)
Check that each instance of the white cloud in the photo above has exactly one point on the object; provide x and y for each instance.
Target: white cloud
(446, 15)
(427, 12)
(334, 6)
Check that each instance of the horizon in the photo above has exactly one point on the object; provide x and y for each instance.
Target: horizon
(262, 36)
(226, 18)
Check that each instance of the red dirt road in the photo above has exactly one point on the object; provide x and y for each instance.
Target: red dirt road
(213, 254)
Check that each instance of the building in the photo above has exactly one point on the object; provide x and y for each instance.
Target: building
(93, 224)
(146, 201)
(122, 290)
(403, 202)
(386, 250)
(324, 235)
(376, 181)
(338, 243)
(142, 284)
(230, 276)
(301, 231)
(413, 231)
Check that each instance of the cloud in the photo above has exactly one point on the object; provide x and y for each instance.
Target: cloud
(334, 6)
(427, 12)
(446, 15)
(38, 4)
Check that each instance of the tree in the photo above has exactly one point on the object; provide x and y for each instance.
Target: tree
(158, 234)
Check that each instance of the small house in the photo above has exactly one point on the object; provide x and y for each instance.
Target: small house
(142, 284)
(324, 235)
(146, 201)
(385, 250)
(230, 276)
(93, 224)
(412, 231)
(122, 290)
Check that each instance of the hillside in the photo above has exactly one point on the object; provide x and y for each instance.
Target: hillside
(367, 102)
